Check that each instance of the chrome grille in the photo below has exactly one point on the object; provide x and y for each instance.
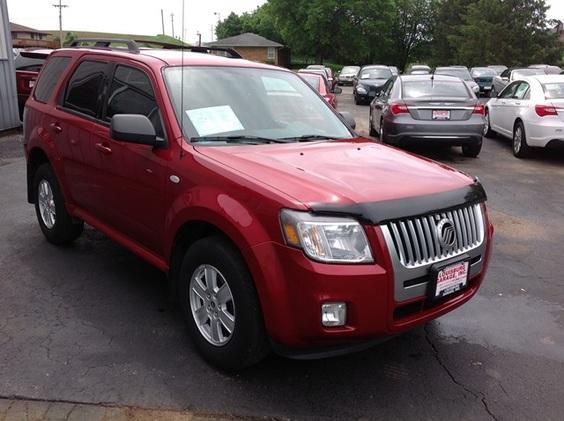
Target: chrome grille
(416, 240)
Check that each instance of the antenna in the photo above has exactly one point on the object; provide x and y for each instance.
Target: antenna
(162, 21)
(182, 88)
(172, 19)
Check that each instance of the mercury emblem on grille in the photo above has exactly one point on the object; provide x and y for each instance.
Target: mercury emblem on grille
(445, 233)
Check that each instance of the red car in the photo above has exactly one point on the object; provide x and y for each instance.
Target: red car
(278, 226)
(320, 84)
(28, 63)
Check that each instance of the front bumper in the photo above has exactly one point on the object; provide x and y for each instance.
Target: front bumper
(406, 130)
(294, 288)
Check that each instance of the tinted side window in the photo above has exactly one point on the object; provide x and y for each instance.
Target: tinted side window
(521, 90)
(509, 91)
(131, 93)
(505, 73)
(83, 90)
(49, 77)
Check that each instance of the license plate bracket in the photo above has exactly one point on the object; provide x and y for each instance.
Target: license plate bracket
(448, 277)
(441, 115)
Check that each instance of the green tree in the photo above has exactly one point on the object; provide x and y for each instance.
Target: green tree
(229, 27)
(511, 32)
(69, 37)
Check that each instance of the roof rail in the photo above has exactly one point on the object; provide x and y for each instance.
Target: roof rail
(135, 46)
(105, 43)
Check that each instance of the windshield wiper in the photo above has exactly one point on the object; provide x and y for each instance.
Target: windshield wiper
(306, 137)
(236, 139)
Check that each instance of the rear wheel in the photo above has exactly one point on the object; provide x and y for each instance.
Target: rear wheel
(520, 147)
(356, 101)
(221, 306)
(382, 133)
(493, 93)
(55, 222)
(488, 132)
(472, 151)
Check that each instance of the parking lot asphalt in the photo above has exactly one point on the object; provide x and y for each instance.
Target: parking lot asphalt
(91, 323)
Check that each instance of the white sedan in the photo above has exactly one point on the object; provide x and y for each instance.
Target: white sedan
(530, 111)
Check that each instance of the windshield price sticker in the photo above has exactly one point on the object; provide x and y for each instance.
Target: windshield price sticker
(212, 120)
(451, 279)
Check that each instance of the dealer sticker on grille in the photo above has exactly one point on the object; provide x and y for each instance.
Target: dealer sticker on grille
(451, 279)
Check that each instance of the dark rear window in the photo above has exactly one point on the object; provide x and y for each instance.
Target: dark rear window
(49, 77)
(83, 90)
(375, 73)
(427, 88)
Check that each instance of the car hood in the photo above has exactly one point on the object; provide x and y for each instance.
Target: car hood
(339, 172)
(372, 82)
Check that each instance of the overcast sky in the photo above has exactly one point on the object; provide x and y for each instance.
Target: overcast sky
(143, 17)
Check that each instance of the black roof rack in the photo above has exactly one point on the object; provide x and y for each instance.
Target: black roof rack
(135, 46)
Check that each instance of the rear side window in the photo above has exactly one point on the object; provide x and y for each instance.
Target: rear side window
(131, 93)
(553, 90)
(49, 77)
(83, 90)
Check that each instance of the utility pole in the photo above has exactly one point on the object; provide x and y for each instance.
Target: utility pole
(162, 21)
(172, 21)
(218, 14)
(199, 38)
(60, 6)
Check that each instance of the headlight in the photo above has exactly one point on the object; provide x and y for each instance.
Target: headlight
(361, 89)
(326, 239)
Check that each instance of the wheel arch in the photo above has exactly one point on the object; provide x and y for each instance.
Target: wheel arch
(36, 158)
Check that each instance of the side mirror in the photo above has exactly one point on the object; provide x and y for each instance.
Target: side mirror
(337, 90)
(133, 128)
(349, 119)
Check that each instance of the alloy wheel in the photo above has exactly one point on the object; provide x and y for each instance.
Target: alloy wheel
(46, 203)
(212, 305)
(517, 139)
(486, 124)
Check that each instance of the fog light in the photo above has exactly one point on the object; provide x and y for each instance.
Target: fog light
(333, 314)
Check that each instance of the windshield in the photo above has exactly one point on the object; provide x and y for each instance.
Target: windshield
(554, 90)
(375, 74)
(247, 102)
(312, 80)
(427, 88)
(483, 72)
(350, 70)
(461, 73)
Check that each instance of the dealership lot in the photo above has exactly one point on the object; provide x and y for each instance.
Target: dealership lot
(91, 323)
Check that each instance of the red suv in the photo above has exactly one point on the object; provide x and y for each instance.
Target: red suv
(278, 226)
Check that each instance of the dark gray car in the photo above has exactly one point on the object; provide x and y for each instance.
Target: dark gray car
(428, 109)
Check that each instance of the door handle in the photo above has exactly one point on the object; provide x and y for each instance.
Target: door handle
(56, 127)
(104, 148)
(517, 103)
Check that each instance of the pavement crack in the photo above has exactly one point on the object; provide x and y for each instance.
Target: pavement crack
(477, 395)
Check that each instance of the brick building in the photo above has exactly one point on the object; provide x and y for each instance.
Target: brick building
(256, 48)
(23, 37)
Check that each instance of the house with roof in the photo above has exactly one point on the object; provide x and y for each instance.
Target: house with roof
(23, 37)
(255, 47)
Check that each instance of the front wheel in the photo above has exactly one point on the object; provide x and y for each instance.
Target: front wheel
(520, 147)
(493, 93)
(372, 131)
(221, 306)
(57, 225)
(488, 132)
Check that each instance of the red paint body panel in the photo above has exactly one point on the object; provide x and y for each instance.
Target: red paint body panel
(126, 193)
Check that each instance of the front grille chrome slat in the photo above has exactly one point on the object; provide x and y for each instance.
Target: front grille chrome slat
(417, 242)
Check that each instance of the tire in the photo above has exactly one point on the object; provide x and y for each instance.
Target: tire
(57, 225)
(382, 133)
(372, 131)
(488, 132)
(493, 93)
(356, 101)
(472, 151)
(247, 342)
(520, 147)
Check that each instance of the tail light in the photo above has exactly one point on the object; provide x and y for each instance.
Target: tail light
(479, 109)
(544, 110)
(399, 108)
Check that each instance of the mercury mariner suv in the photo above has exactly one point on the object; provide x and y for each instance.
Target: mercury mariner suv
(278, 226)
